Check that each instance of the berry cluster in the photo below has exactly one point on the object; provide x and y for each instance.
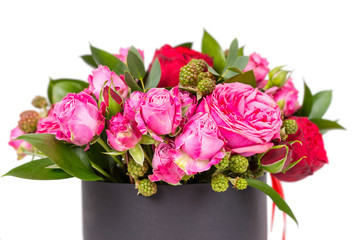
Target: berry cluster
(194, 75)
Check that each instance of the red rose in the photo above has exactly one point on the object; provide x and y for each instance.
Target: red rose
(172, 59)
(312, 147)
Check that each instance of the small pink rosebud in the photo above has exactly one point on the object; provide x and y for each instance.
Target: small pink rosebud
(79, 118)
(122, 133)
(164, 163)
(103, 74)
(48, 124)
(260, 67)
(133, 104)
(202, 141)
(160, 114)
(289, 95)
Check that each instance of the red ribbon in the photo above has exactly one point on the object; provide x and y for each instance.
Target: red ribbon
(276, 184)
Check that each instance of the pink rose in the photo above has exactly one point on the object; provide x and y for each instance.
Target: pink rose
(201, 140)
(160, 114)
(48, 124)
(103, 74)
(164, 166)
(122, 134)
(79, 118)
(260, 67)
(247, 118)
(289, 94)
(124, 52)
(19, 145)
(188, 103)
(133, 103)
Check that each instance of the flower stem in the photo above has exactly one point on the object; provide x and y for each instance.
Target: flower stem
(142, 84)
(107, 149)
(102, 171)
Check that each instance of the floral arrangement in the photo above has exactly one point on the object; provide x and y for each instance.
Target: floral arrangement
(213, 116)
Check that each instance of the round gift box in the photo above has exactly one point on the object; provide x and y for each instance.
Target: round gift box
(114, 211)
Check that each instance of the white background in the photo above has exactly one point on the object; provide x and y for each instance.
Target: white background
(318, 39)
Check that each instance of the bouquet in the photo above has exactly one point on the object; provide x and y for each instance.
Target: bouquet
(214, 116)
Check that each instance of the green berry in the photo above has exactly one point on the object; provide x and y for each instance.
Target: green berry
(248, 174)
(219, 183)
(206, 86)
(147, 188)
(39, 102)
(291, 126)
(241, 184)
(203, 75)
(238, 163)
(136, 169)
(28, 121)
(258, 173)
(224, 163)
(189, 73)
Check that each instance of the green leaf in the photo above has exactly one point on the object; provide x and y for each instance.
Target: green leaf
(102, 57)
(307, 102)
(88, 59)
(246, 78)
(277, 199)
(321, 103)
(134, 50)
(147, 140)
(130, 81)
(154, 76)
(186, 44)
(71, 159)
(137, 153)
(211, 47)
(233, 53)
(59, 88)
(114, 153)
(325, 125)
(210, 69)
(241, 51)
(38, 170)
(240, 62)
(135, 65)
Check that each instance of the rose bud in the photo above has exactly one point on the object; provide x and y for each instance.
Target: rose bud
(103, 74)
(79, 118)
(200, 138)
(278, 158)
(123, 52)
(278, 77)
(122, 133)
(260, 68)
(111, 101)
(133, 103)
(172, 59)
(160, 114)
(19, 145)
(164, 166)
(247, 118)
(312, 148)
(188, 103)
(48, 124)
